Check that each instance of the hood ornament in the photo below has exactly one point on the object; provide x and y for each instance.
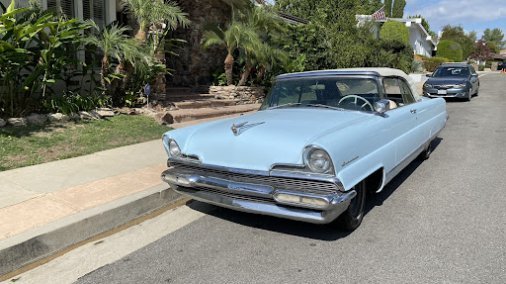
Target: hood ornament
(239, 128)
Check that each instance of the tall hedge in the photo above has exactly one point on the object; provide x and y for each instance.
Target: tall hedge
(395, 31)
(451, 50)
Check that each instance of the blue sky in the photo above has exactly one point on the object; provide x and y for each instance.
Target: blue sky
(473, 15)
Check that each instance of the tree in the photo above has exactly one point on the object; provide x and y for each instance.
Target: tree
(236, 35)
(152, 12)
(388, 8)
(395, 31)
(114, 43)
(159, 17)
(398, 8)
(457, 34)
(367, 7)
(261, 55)
(482, 51)
(450, 49)
(494, 36)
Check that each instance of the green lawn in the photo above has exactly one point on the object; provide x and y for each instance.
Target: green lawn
(32, 145)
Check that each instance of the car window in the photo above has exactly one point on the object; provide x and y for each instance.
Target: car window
(407, 95)
(398, 91)
(451, 72)
(346, 92)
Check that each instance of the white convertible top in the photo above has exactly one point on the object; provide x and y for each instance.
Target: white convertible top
(386, 72)
(382, 71)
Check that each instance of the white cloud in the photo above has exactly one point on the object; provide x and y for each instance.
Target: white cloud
(455, 12)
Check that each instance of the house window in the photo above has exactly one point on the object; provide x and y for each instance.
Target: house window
(94, 10)
(65, 7)
(82, 9)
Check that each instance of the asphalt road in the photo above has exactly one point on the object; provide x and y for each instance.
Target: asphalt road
(440, 221)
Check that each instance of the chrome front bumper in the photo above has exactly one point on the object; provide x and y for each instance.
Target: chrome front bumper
(258, 198)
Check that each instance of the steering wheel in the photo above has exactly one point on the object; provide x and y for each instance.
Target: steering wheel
(355, 100)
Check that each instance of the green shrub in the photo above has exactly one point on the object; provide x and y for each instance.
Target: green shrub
(71, 102)
(431, 63)
(37, 50)
(394, 54)
(417, 66)
(395, 31)
(451, 50)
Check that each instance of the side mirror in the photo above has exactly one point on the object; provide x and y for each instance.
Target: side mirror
(382, 106)
(429, 74)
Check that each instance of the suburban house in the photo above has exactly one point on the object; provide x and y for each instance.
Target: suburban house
(419, 38)
(103, 12)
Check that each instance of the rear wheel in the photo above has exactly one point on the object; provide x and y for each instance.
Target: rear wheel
(353, 216)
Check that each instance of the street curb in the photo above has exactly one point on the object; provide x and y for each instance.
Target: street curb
(35, 245)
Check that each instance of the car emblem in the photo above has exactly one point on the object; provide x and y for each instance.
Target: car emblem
(239, 128)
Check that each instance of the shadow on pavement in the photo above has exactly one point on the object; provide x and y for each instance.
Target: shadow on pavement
(329, 232)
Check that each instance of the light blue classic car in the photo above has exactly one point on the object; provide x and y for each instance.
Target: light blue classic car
(319, 142)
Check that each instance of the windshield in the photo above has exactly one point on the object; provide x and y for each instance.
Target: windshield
(336, 93)
(451, 72)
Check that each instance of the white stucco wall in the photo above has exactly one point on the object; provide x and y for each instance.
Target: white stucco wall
(419, 42)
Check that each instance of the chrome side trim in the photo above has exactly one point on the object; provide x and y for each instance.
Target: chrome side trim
(397, 169)
(270, 209)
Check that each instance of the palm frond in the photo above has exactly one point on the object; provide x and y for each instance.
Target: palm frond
(157, 11)
(211, 38)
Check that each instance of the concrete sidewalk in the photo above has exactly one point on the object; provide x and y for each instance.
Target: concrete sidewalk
(48, 207)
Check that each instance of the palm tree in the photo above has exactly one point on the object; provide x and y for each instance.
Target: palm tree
(115, 44)
(262, 55)
(236, 36)
(160, 16)
(154, 12)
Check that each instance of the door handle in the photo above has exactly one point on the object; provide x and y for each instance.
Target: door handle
(413, 111)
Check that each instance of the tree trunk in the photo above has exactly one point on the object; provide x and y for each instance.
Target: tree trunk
(141, 35)
(103, 72)
(160, 80)
(245, 75)
(229, 68)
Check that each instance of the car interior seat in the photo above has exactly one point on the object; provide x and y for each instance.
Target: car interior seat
(394, 95)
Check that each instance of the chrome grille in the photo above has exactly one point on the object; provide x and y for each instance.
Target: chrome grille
(235, 195)
(295, 184)
(443, 87)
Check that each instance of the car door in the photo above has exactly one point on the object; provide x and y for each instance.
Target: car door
(403, 119)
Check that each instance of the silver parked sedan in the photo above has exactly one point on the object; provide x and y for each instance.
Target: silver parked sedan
(453, 80)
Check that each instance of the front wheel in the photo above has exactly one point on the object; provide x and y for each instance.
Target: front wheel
(425, 155)
(352, 217)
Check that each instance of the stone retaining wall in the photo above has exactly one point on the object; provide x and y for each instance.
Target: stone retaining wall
(245, 95)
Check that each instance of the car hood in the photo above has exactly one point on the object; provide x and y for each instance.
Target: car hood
(447, 81)
(269, 137)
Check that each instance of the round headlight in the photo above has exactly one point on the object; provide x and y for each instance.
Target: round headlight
(174, 150)
(318, 161)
